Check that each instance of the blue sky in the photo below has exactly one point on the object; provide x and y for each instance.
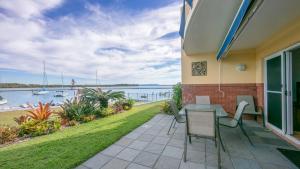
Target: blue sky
(126, 41)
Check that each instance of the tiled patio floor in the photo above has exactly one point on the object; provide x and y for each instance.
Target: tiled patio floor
(149, 146)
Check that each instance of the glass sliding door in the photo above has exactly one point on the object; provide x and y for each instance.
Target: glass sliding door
(274, 91)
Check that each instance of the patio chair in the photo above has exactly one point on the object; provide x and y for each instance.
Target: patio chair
(202, 124)
(202, 100)
(236, 120)
(251, 108)
(177, 117)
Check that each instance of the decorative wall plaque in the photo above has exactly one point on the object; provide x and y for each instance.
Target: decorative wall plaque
(199, 68)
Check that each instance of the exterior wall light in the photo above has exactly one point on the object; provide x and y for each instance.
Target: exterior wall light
(241, 67)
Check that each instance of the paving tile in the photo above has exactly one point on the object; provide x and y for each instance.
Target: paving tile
(138, 145)
(191, 165)
(174, 152)
(176, 143)
(124, 141)
(81, 167)
(97, 161)
(275, 166)
(146, 159)
(112, 150)
(154, 148)
(137, 166)
(196, 156)
(128, 154)
(165, 162)
(197, 146)
(116, 164)
(133, 135)
(146, 137)
(240, 163)
(161, 140)
(241, 152)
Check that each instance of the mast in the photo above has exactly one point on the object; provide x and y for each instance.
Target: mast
(45, 80)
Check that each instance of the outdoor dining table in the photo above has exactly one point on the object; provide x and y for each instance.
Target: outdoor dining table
(220, 112)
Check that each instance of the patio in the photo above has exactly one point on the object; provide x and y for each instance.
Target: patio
(149, 146)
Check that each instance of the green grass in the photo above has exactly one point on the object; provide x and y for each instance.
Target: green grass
(72, 146)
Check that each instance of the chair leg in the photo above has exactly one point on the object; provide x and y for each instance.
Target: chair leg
(190, 139)
(185, 147)
(220, 138)
(219, 153)
(174, 124)
(245, 133)
(171, 125)
(263, 119)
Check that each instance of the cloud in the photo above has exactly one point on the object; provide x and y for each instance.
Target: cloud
(124, 48)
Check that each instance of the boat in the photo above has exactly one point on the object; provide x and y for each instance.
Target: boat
(25, 105)
(61, 93)
(42, 91)
(2, 100)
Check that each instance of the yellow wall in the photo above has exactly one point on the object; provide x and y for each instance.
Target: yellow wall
(253, 58)
(229, 74)
(286, 37)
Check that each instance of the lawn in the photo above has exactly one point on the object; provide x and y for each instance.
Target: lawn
(72, 146)
(7, 118)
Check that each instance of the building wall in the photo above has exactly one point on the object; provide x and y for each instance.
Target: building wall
(288, 36)
(233, 82)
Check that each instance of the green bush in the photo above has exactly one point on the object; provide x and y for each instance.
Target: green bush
(177, 95)
(107, 111)
(8, 134)
(166, 107)
(36, 127)
(100, 97)
(128, 104)
(77, 109)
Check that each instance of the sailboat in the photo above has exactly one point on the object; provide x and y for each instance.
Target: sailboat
(2, 100)
(61, 93)
(42, 91)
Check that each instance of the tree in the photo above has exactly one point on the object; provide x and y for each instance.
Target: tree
(101, 97)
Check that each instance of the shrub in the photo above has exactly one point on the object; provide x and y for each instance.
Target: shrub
(128, 104)
(100, 97)
(117, 107)
(166, 107)
(177, 95)
(107, 111)
(8, 134)
(21, 119)
(37, 127)
(88, 118)
(41, 113)
(72, 123)
(76, 109)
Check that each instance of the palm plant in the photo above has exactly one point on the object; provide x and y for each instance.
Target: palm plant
(76, 108)
(41, 113)
(101, 97)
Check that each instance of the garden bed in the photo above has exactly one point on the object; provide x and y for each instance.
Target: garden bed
(72, 146)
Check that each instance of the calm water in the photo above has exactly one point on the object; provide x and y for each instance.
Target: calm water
(142, 93)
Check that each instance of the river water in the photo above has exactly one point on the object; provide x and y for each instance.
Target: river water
(17, 97)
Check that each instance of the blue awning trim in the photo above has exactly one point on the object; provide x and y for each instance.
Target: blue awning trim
(182, 22)
(190, 2)
(233, 28)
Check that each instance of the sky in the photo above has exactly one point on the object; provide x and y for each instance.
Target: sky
(125, 41)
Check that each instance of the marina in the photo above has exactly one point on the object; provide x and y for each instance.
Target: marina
(20, 98)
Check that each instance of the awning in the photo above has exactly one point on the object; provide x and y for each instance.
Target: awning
(233, 28)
